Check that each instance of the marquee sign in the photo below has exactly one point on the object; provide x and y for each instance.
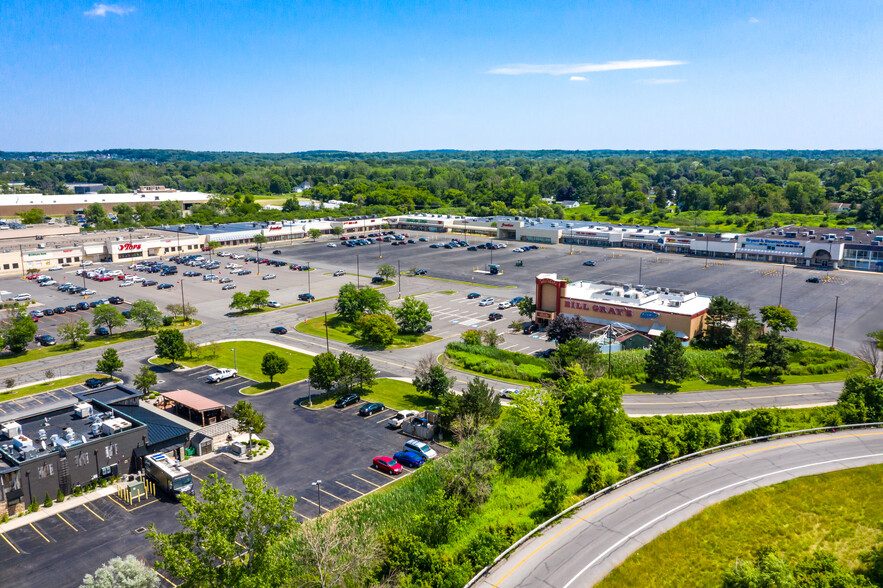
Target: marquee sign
(130, 247)
(649, 314)
(599, 308)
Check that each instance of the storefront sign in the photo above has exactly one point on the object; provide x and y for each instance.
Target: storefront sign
(130, 247)
(508, 225)
(774, 242)
(684, 241)
(649, 315)
(275, 228)
(599, 308)
(542, 314)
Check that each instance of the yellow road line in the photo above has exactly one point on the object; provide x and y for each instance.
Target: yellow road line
(10, 543)
(379, 473)
(68, 523)
(332, 495)
(93, 512)
(195, 476)
(366, 481)
(164, 578)
(38, 532)
(668, 477)
(348, 488)
(383, 419)
(314, 504)
(723, 399)
(213, 467)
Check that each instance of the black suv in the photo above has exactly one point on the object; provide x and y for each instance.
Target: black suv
(347, 400)
(307, 297)
(377, 280)
(94, 383)
(45, 340)
(531, 329)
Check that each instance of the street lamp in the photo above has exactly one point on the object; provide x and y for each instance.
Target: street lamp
(235, 367)
(318, 484)
(250, 454)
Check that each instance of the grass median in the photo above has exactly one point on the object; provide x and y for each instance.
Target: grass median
(392, 393)
(342, 331)
(839, 512)
(51, 385)
(247, 360)
(91, 342)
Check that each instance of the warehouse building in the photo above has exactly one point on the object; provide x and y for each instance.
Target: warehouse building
(68, 204)
(644, 309)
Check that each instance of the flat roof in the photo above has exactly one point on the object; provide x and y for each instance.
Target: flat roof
(84, 200)
(109, 394)
(802, 233)
(192, 400)
(641, 297)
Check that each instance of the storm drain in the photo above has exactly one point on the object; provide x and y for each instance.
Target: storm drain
(140, 530)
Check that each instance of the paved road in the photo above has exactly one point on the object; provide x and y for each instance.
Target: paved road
(583, 549)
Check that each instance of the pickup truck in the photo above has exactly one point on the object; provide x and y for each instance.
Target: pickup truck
(396, 421)
(221, 375)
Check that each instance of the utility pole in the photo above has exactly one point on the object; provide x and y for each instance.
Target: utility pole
(309, 288)
(609, 349)
(640, 268)
(571, 239)
(327, 346)
(183, 305)
(21, 252)
(357, 271)
(318, 484)
(834, 328)
(706, 250)
(400, 278)
(781, 285)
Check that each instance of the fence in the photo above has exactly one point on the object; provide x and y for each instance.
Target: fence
(644, 473)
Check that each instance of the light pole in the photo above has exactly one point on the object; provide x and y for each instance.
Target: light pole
(310, 391)
(782, 285)
(357, 271)
(640, 268)
(183, 305)
(235, 366)
(609, 349)
(834, 328)
(309, 281)
(318, 485)
(400, 278)
(250, 454)
(571, 239)
(706, 250)
(327, 347)
(380, 248)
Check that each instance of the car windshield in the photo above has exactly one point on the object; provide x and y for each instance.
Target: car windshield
(182, 482)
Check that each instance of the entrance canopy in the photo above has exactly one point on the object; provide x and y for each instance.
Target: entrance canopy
(198, 408)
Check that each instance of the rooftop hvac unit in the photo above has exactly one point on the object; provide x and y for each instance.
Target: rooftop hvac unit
(115, 425)
(41, 434)
(10, 429)
(83, 410)
(96, 429)
(22, 443)
(69, 434)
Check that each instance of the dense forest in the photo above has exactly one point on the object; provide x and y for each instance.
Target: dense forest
(650, 186)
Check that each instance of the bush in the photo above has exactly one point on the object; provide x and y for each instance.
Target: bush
(763, 422)
(554, 494)
(60, 496)
(167, 321)
(47, 502)
(34, 507)
(493, 361)
(594, 478)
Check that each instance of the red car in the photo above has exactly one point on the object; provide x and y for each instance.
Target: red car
(34, 276)
(388, 465)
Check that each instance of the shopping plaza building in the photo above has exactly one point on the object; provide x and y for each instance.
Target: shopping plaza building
(40, 247)
(645, 309)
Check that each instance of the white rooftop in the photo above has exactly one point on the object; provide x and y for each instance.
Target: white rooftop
(640, 297)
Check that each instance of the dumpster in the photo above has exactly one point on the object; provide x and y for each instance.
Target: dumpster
(519, 263)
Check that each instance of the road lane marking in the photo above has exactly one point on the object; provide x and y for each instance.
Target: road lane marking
(93, 512)
(724, 399)
(38, 532)
(663, 479)
(314, 504)
(10, 543)
(349, 488)
(211, 466)
(366, 481)
(68, 523)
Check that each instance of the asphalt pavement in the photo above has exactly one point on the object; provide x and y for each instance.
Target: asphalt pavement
(582, 549)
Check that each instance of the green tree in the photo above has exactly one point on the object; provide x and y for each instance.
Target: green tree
(721, 312)
(576, 352)
(526, 307)
(337, 231)
(258, 298)
(490, 337)
(34, 216)
(731, 428)
(665, 361)
(325, 372)
(861, 400)
(471, 337)
(107, 316)
(291, 205)
(352, 303)
(563, 328)
(372, 301)
(763, 422)
(145, 380)
(125, 215)
(386, 271)
(228, 535)
(778, 319)
(743, 351)
(18, 330)
(769, 570)
(412, 315)
(74, 331)
(95, 214)
(594, 478)
(378, 329)
(593, 411)
(348, 369)
(279, 185)
(145, 314)
(534, 430)
(240, 301)
(364, 373)
(314, 234)
(109, 362)
(273, 364)
(477, 407)
(555, 492)
(431, 378)
(775, 356)
(169, 344)
(259, 239)
(248, 420)
(130, 572)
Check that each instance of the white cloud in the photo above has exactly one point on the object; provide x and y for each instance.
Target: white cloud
(516, 69)
(105, 9)
(577, 78)
(658, 81)
(753, 20)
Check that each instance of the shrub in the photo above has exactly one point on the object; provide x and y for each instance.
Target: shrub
(34, 506)
(594, 478)
(60, 496)
(554, 494)
(167, 321)
(47, 502)
(763, 422)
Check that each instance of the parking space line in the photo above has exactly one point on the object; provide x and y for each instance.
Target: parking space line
(38, 532)
(358, 405)
(197, 477)
(314, 504)
(349, 488)
(10, 543)
(379, 473)
(366, 481)
(213, 467)
(93, 512)
(384, 418)
(164, 578)
(332, 495)
(233, 385)
(68, 522)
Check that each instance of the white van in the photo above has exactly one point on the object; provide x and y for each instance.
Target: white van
(420, 448)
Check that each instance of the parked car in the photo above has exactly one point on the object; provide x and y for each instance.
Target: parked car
(813, 280)
(45, 340)
(516, 300)
(228, 287)
(346, 401)
(102, 332)
(387, 464)
(278, 330)
(504, 305)
(37, 313)
(420, 272)
(192, 274)
(277, 252)
(60, 310)
(93, 383)
(82, 306)
(494, 316)
(209, 277)
(273, 304)
(21, 297)
(220, 375)
(165, 286)
(269, 277)
(306, 297)
(371, 408)
(589, 262)
(48, 312)
(48, 283)
(126, 284)
(115, 300)
(244, 272)
(225, 280)
(71, 308)
(422, 239)
(420, 447)
(409, 459)
(331, 245)
(531, 329)
(149, 283)
(486, 302)
(377, 280)
(339, 273)
(400, 417)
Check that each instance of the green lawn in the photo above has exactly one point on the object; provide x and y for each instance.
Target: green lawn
(248, 361)
(49, 386)
(392, 393)
(342, 331)
(839, 512)
(470, 283)
(91, 342)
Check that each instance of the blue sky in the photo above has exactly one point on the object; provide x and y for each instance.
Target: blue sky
(374, 76)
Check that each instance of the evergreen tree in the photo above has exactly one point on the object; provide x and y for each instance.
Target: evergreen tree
(666, 360)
